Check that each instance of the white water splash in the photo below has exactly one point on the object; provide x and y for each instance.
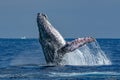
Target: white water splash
(90, 54)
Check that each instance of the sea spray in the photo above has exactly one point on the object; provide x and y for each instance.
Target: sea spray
(90, 54)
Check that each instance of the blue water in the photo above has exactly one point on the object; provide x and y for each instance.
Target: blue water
(22, 59)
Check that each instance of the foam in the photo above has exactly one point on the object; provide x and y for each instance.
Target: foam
(89, 55)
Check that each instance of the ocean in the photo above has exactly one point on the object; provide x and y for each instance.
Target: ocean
(23, 59)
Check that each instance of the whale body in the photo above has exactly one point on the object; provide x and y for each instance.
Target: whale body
(53, 44)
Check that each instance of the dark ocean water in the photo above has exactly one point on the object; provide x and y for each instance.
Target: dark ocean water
(22, 59)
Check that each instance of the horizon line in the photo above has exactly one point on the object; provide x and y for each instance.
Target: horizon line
(64, 38)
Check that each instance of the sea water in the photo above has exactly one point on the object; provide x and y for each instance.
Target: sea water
(90, 54)
(23, 59)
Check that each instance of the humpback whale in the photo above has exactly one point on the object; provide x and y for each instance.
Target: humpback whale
(53, 44)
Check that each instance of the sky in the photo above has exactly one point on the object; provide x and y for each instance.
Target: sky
(72, 18)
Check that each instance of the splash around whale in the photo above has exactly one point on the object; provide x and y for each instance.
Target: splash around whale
(55, 48)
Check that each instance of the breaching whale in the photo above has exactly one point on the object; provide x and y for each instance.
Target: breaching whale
(53, 44)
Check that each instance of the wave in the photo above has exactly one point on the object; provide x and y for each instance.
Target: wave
(60, 74)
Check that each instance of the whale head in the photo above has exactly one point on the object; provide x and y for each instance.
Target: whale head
(47, 32)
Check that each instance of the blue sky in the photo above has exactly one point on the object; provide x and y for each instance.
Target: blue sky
(73, 18)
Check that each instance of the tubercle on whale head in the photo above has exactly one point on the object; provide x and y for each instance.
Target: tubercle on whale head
(42, 20)
(41, 16)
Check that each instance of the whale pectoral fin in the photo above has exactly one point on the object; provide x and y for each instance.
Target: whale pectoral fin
(73, 45)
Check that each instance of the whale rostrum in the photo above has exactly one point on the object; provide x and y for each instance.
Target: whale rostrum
(53, 44)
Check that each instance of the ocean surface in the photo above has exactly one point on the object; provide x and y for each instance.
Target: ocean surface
(23, 59)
